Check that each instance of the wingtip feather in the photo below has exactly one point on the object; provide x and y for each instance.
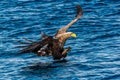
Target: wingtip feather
(79, 10)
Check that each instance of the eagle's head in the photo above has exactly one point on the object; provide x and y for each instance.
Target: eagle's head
(64, 36)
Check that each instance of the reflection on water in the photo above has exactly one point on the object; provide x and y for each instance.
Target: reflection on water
(43, 69)
(45, 65)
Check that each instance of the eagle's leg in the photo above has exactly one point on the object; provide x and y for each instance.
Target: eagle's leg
(64, 53)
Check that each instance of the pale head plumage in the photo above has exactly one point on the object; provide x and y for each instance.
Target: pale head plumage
(64, 36)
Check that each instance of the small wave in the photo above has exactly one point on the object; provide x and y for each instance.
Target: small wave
(102, 37)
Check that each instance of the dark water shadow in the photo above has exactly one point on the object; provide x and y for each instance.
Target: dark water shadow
(44, 65)
(43, 68)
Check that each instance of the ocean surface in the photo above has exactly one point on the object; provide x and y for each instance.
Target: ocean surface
(95, 53)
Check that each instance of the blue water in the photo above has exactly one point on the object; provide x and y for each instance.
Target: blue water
(95, 53)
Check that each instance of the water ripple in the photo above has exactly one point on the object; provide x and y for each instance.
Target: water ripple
(95, 51)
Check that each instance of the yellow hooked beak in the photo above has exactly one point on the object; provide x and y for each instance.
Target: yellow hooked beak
(73, 35)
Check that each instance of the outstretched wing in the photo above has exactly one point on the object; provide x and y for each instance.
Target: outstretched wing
(79, 14)
(35, 46)
(32, 47)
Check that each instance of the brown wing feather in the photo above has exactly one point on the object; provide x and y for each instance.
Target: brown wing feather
(79, 14)
(44, 36)
(32, 47)
(35, 46)
(79, 11)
